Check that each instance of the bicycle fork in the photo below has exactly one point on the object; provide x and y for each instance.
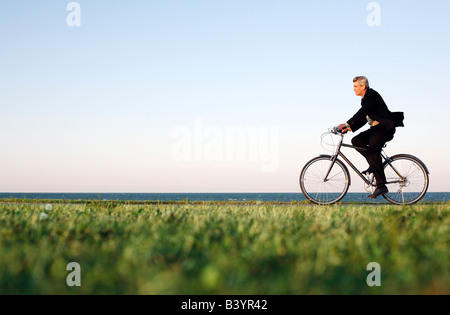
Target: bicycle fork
(333, 161)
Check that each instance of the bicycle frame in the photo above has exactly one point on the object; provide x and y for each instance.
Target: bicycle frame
(325, 179)
(340, 154)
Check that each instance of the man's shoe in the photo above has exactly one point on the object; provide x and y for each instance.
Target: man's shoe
(378, 192)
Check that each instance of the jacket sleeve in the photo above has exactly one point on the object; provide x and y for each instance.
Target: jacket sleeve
(357, 121)
(368, 105)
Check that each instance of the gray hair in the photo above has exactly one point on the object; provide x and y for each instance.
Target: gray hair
(362, 81)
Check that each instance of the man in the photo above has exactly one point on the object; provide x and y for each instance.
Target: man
(382, 129)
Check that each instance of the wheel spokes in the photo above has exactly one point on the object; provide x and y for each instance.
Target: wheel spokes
(412, 183)
(320, 190)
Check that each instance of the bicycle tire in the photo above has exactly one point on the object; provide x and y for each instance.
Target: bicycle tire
(323, 192)
(411, 185)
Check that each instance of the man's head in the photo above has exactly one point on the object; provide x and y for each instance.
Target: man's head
(360, 85)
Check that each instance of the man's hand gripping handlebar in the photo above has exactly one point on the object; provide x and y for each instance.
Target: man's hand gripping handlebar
(342, 128)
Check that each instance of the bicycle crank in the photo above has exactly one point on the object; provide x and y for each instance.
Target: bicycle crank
(370, 188)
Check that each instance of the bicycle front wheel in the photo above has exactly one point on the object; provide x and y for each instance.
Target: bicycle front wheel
(406, 178)
(321, 190)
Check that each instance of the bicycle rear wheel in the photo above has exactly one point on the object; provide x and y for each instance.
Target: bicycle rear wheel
(406, 178)
(321, 191)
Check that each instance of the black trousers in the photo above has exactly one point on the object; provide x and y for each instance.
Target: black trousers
(373, 140)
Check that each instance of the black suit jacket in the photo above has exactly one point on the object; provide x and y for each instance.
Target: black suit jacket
(373, 105)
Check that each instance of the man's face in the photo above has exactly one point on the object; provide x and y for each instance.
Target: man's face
(360, 90)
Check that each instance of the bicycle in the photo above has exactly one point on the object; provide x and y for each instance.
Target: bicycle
(325, 179)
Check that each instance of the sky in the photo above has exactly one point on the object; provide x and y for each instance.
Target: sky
(210, 95)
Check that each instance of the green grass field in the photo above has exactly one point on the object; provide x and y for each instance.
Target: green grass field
(224, 249)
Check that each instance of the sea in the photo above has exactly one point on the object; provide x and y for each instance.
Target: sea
(431, 197)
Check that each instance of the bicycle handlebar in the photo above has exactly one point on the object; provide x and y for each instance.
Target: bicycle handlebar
(336, 131)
